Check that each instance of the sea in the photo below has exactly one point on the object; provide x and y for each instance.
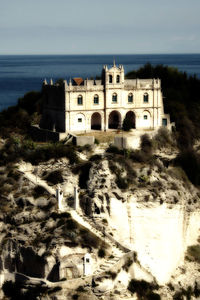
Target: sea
(20, 74)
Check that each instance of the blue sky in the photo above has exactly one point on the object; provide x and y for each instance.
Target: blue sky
(99, 27)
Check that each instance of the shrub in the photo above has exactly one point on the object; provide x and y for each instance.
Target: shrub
(122, 182)
(39, 191)
(142, 288)
(96, 158)
(89, 240)
(189, 160)
(146, 145)
(127, 124)
(113, 149)
(162, 138)
(127, 264)
(101, 253)
(55, 177)
(71, 224)
(113, 275)
(194, 253)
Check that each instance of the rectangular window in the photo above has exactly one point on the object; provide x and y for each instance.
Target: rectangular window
(79, 120)
(96, 100)
(114, 98)
(130, 98)
(164, 122)
(146, 98)
(80, 100)
(145, 117)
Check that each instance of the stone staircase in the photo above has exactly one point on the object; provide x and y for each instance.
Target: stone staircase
(118, 250)
(94, 225)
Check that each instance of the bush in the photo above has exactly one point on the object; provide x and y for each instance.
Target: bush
(162, 138)
(101, 253)
(127, 124)
(189, 161)
(112, 275)
(194, 253)
(96, 158)
(146, 145)
(19, 290)
(122, 182)
(89, 240)
(143, 289)
(39, 191)
(55, 177)
(113, 149)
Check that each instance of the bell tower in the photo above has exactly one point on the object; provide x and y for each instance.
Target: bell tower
(114, 75)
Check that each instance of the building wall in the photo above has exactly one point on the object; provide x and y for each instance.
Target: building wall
(62, 111)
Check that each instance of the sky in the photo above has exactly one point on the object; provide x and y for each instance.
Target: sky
(99, 26)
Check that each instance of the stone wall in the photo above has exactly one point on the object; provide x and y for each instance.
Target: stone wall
(45, 135)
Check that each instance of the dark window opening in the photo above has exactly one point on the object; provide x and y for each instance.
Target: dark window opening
(114, 98)
(110, 78)
(80, 100)
(130, 98)
(164, 122)
(118, 79)
(146, 98)
(96, 99)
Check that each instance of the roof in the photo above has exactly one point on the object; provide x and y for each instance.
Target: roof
(78, 80)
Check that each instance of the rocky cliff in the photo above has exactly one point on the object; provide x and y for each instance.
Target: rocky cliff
(136, 219)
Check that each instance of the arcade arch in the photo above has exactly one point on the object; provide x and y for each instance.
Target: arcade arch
(96, 121)
(114, 120)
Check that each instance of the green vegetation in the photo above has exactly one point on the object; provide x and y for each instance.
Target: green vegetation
(127, 124)
(189, 293)
(163, 138)
(122, 167)
(193, 253)
(21, 290)
(143, 289)
(39, 191)
(17, 148)
(54, 177)
(189, 161)
(101, 252)
(18, 119)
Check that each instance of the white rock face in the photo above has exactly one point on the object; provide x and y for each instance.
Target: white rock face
(158, 233)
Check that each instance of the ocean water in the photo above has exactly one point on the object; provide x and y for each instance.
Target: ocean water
(22, 73)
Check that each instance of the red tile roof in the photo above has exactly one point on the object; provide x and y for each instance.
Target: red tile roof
(78, 80)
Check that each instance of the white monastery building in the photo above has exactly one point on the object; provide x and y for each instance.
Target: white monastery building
(85, 105)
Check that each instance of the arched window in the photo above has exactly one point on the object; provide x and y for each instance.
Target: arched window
(96, 99)
(110, 78)
(118, 79)
(145, 117)
(146, 98)
(114, 98)
(80, 100)
(130, 98)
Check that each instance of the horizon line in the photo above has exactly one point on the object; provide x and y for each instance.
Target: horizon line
(94, 54)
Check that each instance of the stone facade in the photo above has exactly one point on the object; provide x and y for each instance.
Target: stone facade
(84, 105)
